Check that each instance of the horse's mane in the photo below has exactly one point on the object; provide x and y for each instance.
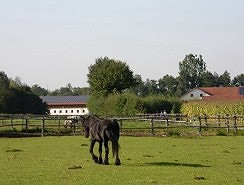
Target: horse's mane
(95, 117)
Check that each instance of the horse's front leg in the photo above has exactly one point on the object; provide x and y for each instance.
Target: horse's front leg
(94, 157)
(100, 160)
(105, 162)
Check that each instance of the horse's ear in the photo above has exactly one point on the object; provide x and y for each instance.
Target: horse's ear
(86, 117)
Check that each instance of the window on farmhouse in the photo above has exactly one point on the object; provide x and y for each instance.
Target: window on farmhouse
(78, 111)
(66, 111)
(60, 111)
(71, 111)
(54, 111)
(200, 95)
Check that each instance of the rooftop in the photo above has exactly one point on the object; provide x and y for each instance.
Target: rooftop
(222, 91)
(56, 100)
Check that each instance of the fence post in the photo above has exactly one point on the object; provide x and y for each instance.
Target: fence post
(43, 126)
(74, 127)
(227, 122)
(167, 123)
(218, 120)
(11, 121)
(205, 119)
(59, 123)
(22, 123)
(152, 127)
(235, 124)
(200, 125)
(26, 123)
(121, 124)
(187, 120)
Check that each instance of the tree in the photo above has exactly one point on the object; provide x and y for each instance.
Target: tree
(63, 91)
(36, 89)
(109, 75)
(22, 100)
(224, 79)
(209, 79)
(16, 97)
(190, 71)
(138, 88)
(238, 80)
(4, 88)
(70, 91)
(81, 90)
(151, 87)
(168, 85)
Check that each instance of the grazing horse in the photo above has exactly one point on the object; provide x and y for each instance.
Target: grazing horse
(102, 131)
(71, 121)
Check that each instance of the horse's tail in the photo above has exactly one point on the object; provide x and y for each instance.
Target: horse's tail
(115, 147)
(112, 132)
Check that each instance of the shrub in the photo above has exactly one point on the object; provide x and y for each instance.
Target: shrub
(154, 104)
(116, 104)
(129, 104)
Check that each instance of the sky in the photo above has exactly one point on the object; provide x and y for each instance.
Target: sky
(52, 43)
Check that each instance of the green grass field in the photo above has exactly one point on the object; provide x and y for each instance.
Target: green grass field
(145, 160)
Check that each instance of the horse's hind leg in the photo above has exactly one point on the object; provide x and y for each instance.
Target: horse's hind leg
(105, 162)
(100, 160)
(115, 146)
(117, 160)
(94, 157)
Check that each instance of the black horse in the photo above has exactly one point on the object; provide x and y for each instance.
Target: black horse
(102, 131)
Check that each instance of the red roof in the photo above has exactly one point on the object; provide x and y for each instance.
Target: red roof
(222, 92)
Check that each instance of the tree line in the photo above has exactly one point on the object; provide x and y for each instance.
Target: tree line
(113, 84)
(192, 73)
(17, 98)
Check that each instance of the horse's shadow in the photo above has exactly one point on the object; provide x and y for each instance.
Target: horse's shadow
(173, 164)
(176, 164)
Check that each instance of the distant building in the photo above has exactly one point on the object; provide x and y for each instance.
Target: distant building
(66, 105)
(214, 93)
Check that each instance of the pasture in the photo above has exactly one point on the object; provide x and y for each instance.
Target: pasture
(145, 160)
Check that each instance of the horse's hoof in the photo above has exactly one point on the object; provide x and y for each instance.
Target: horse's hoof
(100, 161)
(105, 162)
(117, 163)
(95, 159)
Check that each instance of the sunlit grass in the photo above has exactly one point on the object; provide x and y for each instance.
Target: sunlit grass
(145, 160)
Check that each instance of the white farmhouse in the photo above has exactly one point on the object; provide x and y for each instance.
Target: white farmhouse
(66, 105)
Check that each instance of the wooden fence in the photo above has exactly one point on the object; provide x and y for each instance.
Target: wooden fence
(177, 121)
(37, 125)
(41, 125)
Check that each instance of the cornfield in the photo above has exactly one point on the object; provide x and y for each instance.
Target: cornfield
(196, 108)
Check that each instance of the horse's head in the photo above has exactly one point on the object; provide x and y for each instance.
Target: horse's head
(86, 126)
(66, 123)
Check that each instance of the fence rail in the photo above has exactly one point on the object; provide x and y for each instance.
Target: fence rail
(41, 125)
(201, 123)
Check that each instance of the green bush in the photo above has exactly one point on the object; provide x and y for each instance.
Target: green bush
(120, 104)
(154, 104)
(116, 104)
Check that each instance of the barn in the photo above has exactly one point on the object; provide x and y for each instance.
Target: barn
(67, 105)
(214, 93)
